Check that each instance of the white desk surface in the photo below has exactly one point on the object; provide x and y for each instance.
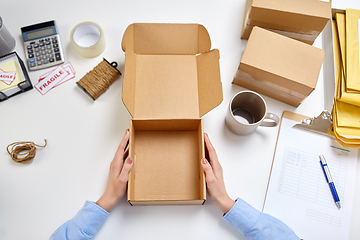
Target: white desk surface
(83, 135)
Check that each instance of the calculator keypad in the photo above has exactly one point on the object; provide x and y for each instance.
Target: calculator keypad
(44, 52)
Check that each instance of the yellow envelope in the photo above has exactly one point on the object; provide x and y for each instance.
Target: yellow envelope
(11, 66)
(343, 135)
(347, 133)
(337, 67)
(346, 145)
(340, 26)
(345, 126)
(347, 115)
(352, 50)
(351, 97)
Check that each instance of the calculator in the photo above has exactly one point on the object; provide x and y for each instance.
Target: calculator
(42, 45)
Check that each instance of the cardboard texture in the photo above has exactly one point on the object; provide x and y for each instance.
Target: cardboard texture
(301, 20)
(279, 67)
(172, 78)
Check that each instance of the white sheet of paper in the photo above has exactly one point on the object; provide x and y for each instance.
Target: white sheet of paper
(298, 193)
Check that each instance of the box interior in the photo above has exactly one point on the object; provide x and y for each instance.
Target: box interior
(166, 157)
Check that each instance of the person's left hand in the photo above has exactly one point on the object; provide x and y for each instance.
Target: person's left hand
(118, 177)
(214, 178)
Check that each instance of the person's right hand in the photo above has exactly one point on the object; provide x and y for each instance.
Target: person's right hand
(214, 178)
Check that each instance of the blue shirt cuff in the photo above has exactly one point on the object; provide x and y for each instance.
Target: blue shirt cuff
(242, 216)
(90, 218)
(254, 224)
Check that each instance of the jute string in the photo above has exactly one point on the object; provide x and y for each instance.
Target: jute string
(98, 80)
(23, 152)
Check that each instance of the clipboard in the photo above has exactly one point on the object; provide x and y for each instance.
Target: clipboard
(297, 192)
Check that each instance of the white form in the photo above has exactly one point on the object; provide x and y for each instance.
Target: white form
(298, 193)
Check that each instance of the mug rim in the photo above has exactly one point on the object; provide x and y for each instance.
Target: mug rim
(248, 124)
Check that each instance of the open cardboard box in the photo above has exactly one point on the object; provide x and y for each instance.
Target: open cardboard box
(302, 20)
(279, 67)
(171, 79)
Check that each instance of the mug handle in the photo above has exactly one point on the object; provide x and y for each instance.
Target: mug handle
(275, 120)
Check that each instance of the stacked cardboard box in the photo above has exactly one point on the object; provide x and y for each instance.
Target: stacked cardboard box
(278, 60)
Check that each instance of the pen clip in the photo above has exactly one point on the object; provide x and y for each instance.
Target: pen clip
(325, 169)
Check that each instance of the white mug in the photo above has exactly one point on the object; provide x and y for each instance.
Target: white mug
(248, 110)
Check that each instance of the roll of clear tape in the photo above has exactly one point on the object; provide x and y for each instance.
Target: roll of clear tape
(88, 39)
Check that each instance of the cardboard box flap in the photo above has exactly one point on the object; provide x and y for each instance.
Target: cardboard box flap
(209, 84)
(128, 89)
(160, 84)
(127, 42)
(166, 38)
(165, 87)
(172, 86)
(306, 16)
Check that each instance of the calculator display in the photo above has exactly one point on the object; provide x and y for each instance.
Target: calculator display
(40, 33)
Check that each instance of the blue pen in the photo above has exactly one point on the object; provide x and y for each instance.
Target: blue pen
(329, 180)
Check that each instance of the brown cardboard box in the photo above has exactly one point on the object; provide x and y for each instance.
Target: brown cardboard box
(302, 20)
(279, 67)
(171, 79)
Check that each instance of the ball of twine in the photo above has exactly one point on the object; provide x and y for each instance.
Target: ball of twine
(23, 152)
(98, 80)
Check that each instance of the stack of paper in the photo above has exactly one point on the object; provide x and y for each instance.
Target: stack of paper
(346, 110)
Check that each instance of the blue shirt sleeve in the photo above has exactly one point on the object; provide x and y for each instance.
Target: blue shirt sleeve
(84, 225)
(255, 225)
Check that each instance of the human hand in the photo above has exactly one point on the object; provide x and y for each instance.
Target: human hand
(214, 178)
(118, 177)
